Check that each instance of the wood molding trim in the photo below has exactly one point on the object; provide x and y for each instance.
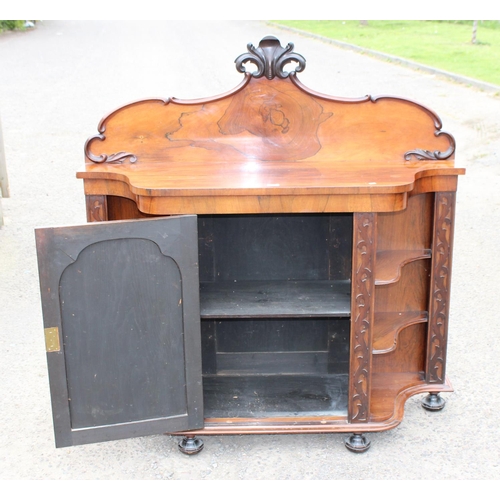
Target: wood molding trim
(362, 304)
(444, 215)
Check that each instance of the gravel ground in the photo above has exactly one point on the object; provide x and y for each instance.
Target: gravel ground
(58, 80)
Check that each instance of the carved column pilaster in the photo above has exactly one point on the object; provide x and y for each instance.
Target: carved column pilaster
(362, 310)
(97, 208)
(439, 302)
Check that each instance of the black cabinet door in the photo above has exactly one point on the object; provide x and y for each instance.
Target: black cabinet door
(122, 327)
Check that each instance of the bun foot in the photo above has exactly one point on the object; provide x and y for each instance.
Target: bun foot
(190, 445)
(357, 443)
(433, 402)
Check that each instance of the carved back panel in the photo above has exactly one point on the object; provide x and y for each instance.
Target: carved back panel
(271, 116)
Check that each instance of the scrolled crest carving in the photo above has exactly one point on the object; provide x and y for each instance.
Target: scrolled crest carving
(270, 58)
(103, 158)
(424, 154)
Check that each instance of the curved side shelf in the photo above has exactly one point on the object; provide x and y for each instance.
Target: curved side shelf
(387, 326)
(390, 392)
(390, 263)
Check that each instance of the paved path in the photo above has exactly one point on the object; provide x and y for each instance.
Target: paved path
(57, 81)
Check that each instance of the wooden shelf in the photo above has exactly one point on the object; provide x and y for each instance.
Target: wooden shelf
(390, 263)
(274, 299)
(387, 326)
(268, 396)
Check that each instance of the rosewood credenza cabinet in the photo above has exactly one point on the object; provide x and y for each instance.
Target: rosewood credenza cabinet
(269, 260)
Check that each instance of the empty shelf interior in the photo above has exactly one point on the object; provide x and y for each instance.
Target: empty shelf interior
(278, 395)
(240, 299)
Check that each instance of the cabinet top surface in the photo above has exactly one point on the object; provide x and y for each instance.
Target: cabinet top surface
(267, 178)
(270, 135)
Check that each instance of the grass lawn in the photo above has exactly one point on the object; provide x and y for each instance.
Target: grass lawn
(444, 45)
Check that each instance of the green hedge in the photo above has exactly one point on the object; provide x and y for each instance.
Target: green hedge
(11, 25)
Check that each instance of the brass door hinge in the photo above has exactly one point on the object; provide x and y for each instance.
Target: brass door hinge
(52, 343)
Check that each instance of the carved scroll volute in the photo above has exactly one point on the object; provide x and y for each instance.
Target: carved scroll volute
(104, 158)
(362, 299)
(270, 58)
(439, 306)
(424, 154)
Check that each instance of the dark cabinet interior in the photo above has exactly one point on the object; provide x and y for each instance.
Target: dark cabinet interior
(275, 308)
